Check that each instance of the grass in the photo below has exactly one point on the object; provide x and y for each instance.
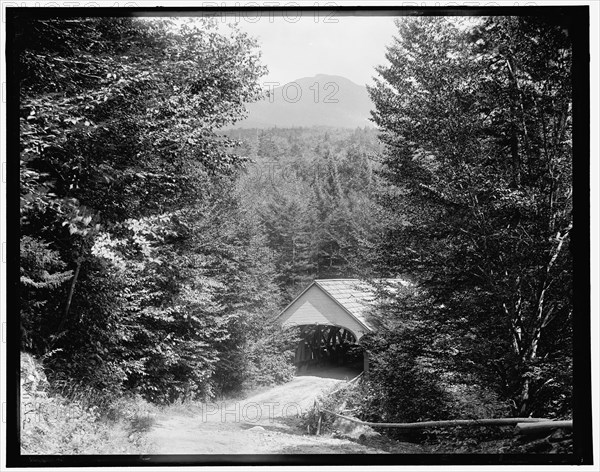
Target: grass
(57, 425)
(69, 420)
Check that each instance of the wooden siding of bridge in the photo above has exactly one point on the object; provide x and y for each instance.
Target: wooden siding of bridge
(315, 307)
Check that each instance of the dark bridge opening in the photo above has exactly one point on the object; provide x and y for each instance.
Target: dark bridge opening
(325, 346)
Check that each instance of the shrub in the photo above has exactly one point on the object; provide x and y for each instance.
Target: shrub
(270, 360)
(403, 386)
(337, 398)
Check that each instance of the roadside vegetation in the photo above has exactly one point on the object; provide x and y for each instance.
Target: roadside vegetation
(69, 418)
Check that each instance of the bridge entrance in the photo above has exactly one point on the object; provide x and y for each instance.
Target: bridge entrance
(323, 346)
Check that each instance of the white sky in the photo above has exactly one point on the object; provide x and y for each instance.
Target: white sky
(350, 46)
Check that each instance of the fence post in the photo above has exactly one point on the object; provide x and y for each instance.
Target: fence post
(320, 414)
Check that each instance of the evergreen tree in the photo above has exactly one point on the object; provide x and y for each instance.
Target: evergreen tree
(478, 133)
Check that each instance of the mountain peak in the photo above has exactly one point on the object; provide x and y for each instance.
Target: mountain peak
(320, 100)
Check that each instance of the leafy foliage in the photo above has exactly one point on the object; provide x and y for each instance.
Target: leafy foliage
(271, 359)
(130, 259)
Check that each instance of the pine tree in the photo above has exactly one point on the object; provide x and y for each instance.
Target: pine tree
(477, 127)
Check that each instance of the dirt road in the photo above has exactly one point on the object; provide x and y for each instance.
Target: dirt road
(264, 423)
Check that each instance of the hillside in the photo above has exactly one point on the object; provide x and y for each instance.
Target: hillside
(322, 100)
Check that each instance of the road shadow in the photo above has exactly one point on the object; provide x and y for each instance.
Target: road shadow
(345, 372)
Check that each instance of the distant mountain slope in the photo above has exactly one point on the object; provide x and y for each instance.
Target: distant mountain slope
(322, 100)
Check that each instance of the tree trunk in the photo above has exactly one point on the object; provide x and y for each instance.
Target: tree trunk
(514, 150)
(61, 326)
(524, 399)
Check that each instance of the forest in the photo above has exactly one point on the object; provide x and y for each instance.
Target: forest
(156, 248)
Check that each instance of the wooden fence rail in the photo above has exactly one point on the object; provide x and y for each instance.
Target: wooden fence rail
(525, 424)
(534, 428)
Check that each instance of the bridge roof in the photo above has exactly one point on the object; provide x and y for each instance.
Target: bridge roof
(353, 296)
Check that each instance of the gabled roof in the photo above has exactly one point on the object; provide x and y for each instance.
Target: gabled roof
(355, 296)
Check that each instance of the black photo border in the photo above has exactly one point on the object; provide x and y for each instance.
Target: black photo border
(575, 18)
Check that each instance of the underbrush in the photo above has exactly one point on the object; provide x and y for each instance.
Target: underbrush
(265, 358)
(471, 402)
(345, 400)
(468, 440)
(68, 419)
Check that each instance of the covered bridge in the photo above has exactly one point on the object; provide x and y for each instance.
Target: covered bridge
(333, 315)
